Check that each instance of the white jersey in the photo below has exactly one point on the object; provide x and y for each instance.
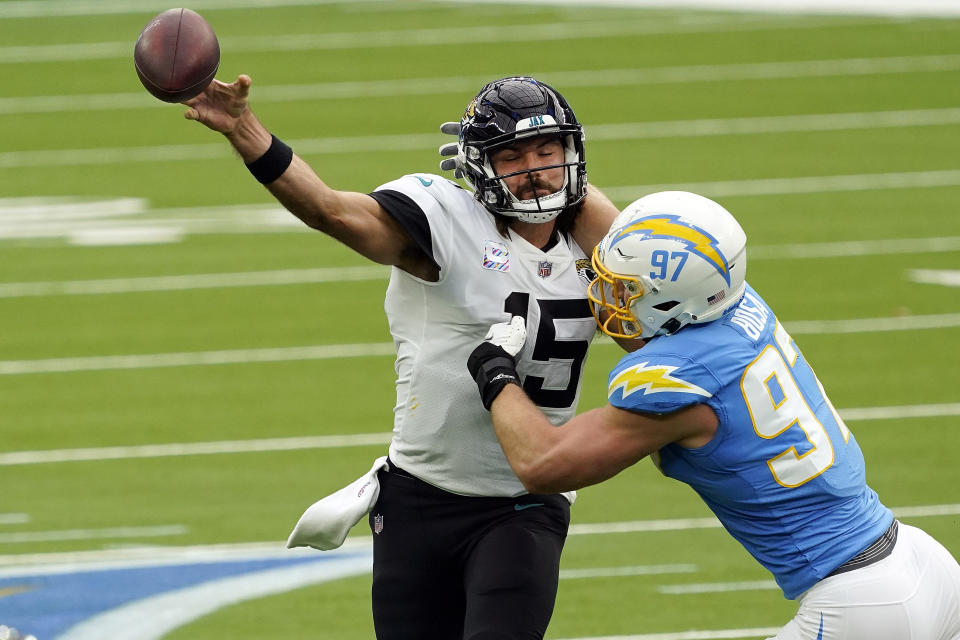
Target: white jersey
(441, 433)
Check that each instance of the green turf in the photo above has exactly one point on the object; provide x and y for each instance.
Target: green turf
(909, 461)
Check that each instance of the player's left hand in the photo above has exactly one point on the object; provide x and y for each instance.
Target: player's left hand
(450, 149)
(510, 336)
(492, 364)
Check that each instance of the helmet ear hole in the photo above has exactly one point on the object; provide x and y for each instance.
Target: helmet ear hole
(670, 326)
(666, 306)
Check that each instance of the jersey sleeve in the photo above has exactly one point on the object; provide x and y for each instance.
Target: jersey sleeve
(659, 383)
(424, 205)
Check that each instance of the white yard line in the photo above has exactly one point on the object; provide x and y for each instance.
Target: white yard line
(933, 8)
(347, 90)
(386, 349)
(945, 277)
(12, 565)
(319, 40)
(14, 458)
(189, 282)
(194, 448)
(811, 184)
(687, 524)
(712, 634)
(903, 412)
(872, 325)
(14, 518)
(61, 8)
(626, 571)
(615, 132)
(95, 227)
(848, 248)
(197, 358)
(25, 537)
(717, 587)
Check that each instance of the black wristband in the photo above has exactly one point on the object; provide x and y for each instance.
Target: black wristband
(492, 369)
(273, 163)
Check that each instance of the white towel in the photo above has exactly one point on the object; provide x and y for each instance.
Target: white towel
(326, 523)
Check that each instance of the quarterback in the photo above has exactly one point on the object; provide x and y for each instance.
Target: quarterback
(461, 550)
(719, 395)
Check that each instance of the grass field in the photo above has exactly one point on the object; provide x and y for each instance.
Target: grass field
(152, 294)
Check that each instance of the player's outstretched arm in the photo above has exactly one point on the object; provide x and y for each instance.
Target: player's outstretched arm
(594, 220)
(355, 219)
(592, 447)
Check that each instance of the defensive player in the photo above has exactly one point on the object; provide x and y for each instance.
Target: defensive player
(456, 553)
(722, 399)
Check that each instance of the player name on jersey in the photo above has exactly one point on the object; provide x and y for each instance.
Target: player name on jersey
(751, 316)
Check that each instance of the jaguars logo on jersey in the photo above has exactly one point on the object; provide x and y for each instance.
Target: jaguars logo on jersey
(585, 270)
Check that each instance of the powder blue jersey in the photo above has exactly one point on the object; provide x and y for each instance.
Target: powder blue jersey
(783, 473)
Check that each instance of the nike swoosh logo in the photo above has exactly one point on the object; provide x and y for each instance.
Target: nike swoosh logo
(425, 183)
(521, 507)
(820, 633)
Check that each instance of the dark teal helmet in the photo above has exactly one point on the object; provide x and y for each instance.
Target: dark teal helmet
(512, 109)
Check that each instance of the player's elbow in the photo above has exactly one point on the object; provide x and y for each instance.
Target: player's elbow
(543, 476)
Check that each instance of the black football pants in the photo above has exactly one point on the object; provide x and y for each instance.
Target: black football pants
(449, 567)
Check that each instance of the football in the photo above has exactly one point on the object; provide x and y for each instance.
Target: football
(176, 55)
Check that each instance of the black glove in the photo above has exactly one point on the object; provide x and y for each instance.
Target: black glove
(491, 364)
(492, 368)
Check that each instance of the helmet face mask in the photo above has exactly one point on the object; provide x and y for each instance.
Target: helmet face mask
(509, 112)
(670, 259)
(610, 297)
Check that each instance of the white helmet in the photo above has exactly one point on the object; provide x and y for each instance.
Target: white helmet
(670, 259)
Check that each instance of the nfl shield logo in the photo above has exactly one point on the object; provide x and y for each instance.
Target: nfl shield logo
(544, 268)
(377, 523)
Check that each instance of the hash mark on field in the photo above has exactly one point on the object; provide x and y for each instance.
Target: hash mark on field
(945, 277)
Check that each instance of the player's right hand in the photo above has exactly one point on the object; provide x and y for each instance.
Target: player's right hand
(220, 105)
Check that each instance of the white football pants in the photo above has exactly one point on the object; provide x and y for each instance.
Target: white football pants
(913, 594)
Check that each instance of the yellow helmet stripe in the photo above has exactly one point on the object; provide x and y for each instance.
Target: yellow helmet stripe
(697, 240)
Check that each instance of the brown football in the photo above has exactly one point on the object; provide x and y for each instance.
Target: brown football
(177, 55)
